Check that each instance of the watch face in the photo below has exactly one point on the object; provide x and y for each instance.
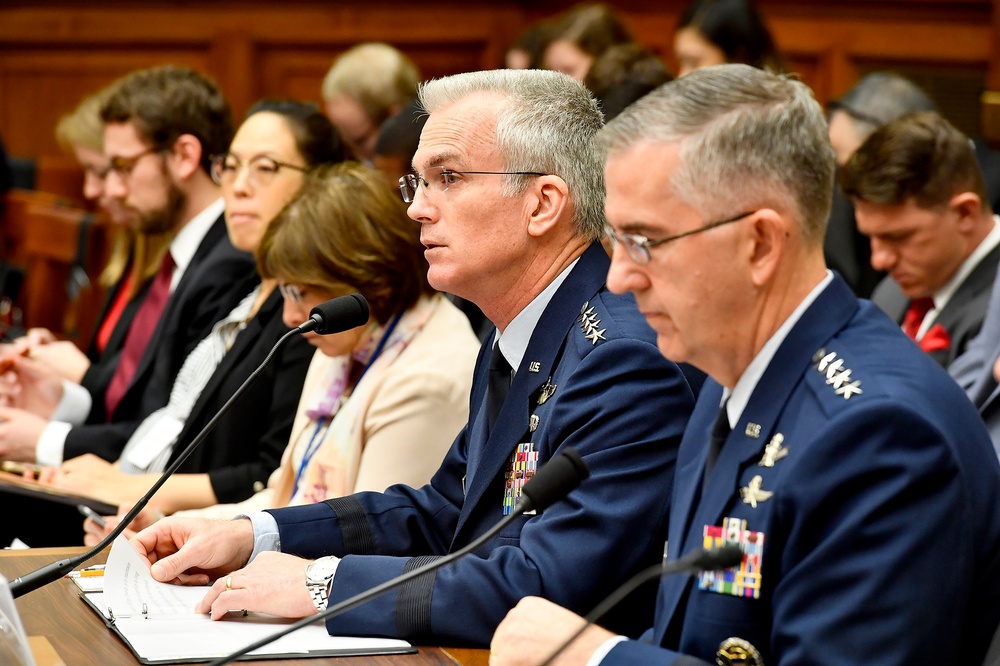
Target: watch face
(321, 570)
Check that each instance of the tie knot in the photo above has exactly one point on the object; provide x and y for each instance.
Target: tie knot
(919, 307)
(721, 429)
(498, 362)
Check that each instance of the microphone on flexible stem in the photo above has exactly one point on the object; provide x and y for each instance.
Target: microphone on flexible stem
(712, 559)
(334, 316)
(553, 481)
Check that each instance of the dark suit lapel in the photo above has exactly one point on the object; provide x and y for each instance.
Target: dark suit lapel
(245, 343)
(979, 280)
(585, 280)
(117, 339)
(170, 320)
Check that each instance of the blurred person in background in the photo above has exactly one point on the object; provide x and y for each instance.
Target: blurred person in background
(623, 74)
(135, 258)
(263, 169)
(367, 85)
(527, 49)
(714, 32)
(381, 404)
(582, 35)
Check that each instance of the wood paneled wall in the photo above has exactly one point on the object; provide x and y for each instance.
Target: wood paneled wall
(53, 54)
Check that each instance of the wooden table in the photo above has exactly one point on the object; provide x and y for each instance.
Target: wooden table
(80, 638)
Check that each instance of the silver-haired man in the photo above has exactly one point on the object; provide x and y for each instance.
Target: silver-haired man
(849, 468)
(508, 191)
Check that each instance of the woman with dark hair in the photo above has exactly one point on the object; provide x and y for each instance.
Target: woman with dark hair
(714, 32)
(580, 36)
(267, 163)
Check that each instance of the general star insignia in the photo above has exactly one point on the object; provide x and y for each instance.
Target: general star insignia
(589, 323)
(774, 451)
(837, 375)
(753, 492)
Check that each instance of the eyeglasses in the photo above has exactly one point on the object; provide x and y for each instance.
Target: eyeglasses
(292, 293)
(261, 170)
(638, 246)
(123, 166)
(439, 179)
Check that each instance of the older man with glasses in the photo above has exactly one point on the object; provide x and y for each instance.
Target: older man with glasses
(848, 468)
(509, 195)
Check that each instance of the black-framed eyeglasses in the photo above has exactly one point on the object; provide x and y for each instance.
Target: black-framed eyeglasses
(638, 246)
(123, 166)
(261, 170)
(439, 179)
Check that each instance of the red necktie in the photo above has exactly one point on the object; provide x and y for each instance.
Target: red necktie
(919, 307)
(139, 335)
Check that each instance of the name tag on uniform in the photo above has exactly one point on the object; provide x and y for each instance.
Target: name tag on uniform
(741, 581)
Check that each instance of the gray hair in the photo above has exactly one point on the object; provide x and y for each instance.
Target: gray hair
(745, 138)
(879, 98)
(548, 124)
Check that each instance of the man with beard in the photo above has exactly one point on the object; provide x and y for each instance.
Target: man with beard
(161, 128)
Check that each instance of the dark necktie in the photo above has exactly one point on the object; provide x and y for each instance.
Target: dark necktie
(919, 307)
(720, 431)
(139, 335)
(498, 386)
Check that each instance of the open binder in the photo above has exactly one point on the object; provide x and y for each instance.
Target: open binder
(157, 622)
(18, 485)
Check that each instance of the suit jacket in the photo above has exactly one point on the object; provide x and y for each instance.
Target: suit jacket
(962, 317)
(847, 250)
(98, 376)
(246, 445)
(616, 400)
(879, 542)
(973, 370)
(217, 278)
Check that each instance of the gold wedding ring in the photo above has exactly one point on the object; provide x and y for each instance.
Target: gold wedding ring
(229, 583)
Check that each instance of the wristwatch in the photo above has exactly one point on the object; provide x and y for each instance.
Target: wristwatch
(318, 577)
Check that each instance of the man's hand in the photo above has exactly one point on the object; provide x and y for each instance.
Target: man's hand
(274, 583)
(93, 476)
(19, 433)
(194, 551)
(535, 628)
(64, 357)
(94, 533)
(30, 385)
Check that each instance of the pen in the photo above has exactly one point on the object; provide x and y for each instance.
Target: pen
(93, 515)
(96, 570)
(19, 467)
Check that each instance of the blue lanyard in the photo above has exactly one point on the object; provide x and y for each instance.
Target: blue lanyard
(315, 440)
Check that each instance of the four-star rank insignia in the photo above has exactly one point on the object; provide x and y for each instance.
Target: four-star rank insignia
(589, 324)
(836, 374)
(752, 493)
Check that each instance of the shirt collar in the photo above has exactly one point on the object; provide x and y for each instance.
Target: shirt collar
(944, 294)
(186, 242)
(740, 395)
(514, 341)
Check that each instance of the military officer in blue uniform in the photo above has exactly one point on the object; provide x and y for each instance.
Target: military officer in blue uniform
(587, 374)
(849, 468)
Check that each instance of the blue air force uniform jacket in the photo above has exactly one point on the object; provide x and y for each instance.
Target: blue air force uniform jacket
(592, 378)
(864, 487)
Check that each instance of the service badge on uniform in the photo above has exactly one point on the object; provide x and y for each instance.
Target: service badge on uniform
(737, 652)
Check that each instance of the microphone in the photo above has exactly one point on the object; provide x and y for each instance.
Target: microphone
(551, 483)
(712, 559)
(335, 315)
